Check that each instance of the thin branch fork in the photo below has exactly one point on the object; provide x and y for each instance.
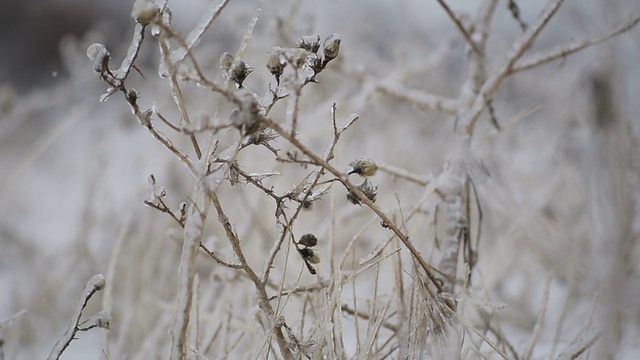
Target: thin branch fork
(564, 50)
(521, 45)
(263, 299)
(100, 319)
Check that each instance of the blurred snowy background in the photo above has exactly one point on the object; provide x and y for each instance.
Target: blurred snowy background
(73, 171)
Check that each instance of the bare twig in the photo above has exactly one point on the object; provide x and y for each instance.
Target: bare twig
(469, 117)
(101, 319)
(564, 50)
(263, 299)
(580, 346)
(193, 233)
(459, 25)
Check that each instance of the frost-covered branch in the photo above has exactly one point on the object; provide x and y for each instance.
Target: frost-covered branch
(561, 51)
(100, 319)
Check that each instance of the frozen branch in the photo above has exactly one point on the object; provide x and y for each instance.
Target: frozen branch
(193, 233)
(564, 50)
(101, 319)
(420, 98)
(459, 25)
(522, 44)
(193, 39)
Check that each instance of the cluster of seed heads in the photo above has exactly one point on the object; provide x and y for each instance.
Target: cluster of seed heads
(238, 73)
(277, 58)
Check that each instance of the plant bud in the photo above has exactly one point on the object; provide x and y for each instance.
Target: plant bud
(99, 54)
(274, 61)
(144, 11)
(310, 255)
(362, 167)
(331, 47)
(367, 189)
(225, 62)
(310, 43)
(240, 73)
(309, 240)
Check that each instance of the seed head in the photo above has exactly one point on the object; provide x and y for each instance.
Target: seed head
(226, 60)
(310, 255)
(362, 167)
(309, 240)
(367, 189)
(331, 47)
(274, 61)
(144, 11)
(99, 54)
(310, 43)
(240, 72)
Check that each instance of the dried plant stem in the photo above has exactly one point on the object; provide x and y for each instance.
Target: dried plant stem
(95, 284)
(564, 50)
(459, 25)
(193, 233)
(263, 298)
(470, 116)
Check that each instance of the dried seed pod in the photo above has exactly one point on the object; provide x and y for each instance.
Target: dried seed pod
(309, 240)
(310, 255)
(275, 62)
(331, 47)
(226, 60)
(310, 43)
(144, 11)
(367, 189)
(99, 54)
(362, 167)
(240, 73)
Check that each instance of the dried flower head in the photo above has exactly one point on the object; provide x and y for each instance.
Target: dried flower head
(310, 43)
(240, 73)
(275, 61)
(308, 240)
(99, 54)
(362, 167)
(226, 60)
(367, 189)
(315, 63)
(310, 255)
(144, 11)
(331, 47)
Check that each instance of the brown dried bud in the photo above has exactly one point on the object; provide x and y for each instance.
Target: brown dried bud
(310, 255)
(331, 47)
(240, 73)
(274, 61)
(310, 43)
(367, 189)
(362, 167)
(309, 240)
